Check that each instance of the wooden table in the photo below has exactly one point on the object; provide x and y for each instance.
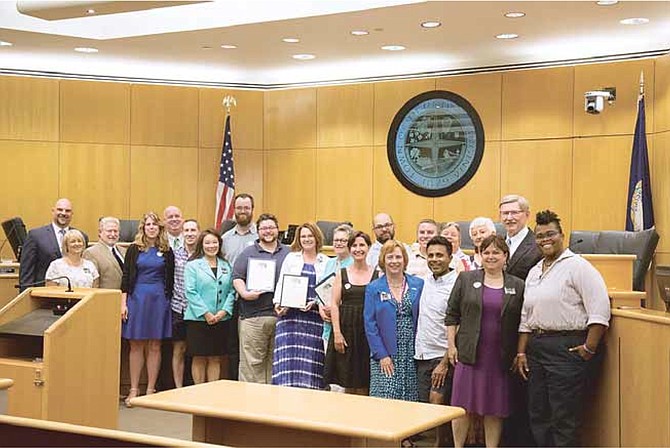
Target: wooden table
(245, 414)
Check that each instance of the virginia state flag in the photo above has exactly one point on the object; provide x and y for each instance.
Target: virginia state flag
(640, 211)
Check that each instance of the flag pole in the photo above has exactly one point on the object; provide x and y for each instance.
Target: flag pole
(228, 102)
(641, 83)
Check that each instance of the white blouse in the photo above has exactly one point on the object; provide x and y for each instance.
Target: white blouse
(80, 276)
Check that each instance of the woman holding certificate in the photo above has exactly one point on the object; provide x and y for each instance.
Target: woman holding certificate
(298, 355)
(390, 312)
(348, 354)
(208, 284)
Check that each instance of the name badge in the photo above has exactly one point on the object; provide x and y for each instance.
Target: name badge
(384, 296)
(347, 286)
(510, 291)
(477, 285)
(159, 253)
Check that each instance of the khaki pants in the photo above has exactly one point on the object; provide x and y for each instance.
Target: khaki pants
(257, 339)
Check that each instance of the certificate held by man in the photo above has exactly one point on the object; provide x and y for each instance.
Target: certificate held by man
(293, 293)
(261, 275)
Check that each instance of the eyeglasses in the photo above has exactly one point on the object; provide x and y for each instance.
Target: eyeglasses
(547, 234)
(340, 241)
(511, 213)
(245, 207)
(388, 225)
(267, 228)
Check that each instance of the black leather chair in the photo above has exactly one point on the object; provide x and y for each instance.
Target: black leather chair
(641, 244)
(128, 230)
(226, 225)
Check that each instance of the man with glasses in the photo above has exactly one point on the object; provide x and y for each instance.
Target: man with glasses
(257, 315)
(234, 242)
(524, 254)
(384, 230)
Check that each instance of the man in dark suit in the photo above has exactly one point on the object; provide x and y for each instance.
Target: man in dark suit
(524, 254)
(43, 245)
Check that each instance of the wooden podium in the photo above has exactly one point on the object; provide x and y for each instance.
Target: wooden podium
(65, 368)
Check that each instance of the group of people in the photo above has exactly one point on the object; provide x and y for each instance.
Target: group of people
(508, 333)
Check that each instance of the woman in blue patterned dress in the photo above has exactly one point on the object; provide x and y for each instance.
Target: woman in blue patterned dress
(299, 353)
(146, 291)
(390, 314)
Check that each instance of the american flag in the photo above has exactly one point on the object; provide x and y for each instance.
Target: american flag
(225, 191)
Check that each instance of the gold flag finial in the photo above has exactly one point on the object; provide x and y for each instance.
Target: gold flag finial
(641, 83)
(228, 102)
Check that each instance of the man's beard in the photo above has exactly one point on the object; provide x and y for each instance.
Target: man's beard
(243, 219)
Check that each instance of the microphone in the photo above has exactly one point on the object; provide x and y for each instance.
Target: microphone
(28, 285)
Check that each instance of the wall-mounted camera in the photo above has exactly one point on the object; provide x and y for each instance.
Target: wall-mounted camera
(594, 101)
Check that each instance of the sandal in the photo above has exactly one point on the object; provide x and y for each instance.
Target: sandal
(131, 394)
(150, 391)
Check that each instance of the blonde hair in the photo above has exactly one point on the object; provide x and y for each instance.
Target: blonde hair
(318, 236)
(389, 247)
(69, 236)
(141, 239)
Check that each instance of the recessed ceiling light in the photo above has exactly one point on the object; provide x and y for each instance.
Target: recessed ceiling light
(431, 24)
(634, 21)
(86, 50)
(515, 14)
(360, 32)
(607, 2)
(291, 40)
(393, 47)
(4, 43)
(228, 46)
(90, 11)
(303, 57)
(507, 36)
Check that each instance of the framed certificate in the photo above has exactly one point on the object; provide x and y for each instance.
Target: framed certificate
(294, 291)
(324, 290)
(261, 275)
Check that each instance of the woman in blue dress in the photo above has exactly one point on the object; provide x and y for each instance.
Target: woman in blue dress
(390, 315)
(299, 353)
(146, 291)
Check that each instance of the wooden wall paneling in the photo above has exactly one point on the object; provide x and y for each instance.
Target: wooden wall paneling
(389, 97)
(537, 104)
(660, 186)
(29, 182)
(646, 412)
(29, 108)
(248, 179)
(246, 118)
(290, 185)
(661, 94)
(96, 179)
(479, 197)
(289, 119)
(541, 171)
(162, 176)
(600, 170)
(344, 185)
(619, 118)
(95, 112)
(390, 196)
(344, 115)
(164, 115)
(484, 92)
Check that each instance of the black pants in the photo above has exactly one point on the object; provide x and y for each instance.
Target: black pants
(556, 386)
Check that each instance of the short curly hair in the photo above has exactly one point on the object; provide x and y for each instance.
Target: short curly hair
(546, 217)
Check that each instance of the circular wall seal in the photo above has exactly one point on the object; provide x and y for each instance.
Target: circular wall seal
(436, 143)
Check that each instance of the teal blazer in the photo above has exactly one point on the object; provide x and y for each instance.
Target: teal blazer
(204, 292)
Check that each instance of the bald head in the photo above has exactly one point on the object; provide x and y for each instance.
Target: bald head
(174, 220)
(383, 226)
(61, 213)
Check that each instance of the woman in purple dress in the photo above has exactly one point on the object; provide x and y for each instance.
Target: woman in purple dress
(146, 291)
(482, 323)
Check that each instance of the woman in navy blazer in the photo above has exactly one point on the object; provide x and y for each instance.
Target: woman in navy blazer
(208, 284)
(390, 313)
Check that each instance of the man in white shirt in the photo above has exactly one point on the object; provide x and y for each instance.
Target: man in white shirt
(430, 346)
(174, 222)
(418, 260)
(106, 255)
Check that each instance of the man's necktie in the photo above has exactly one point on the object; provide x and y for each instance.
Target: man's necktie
(118, 257)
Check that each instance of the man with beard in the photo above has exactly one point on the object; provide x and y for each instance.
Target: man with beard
(173, 223)
(257, 315)
(384, 229)
(191, 230)
(43, 245)
(234, 242)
